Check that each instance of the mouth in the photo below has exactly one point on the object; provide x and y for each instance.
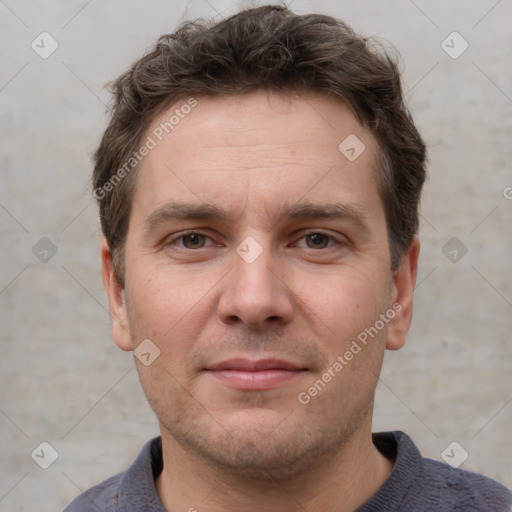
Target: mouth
(247, 375)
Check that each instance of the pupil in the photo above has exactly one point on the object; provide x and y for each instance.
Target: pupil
(318, 239)
(193, 240)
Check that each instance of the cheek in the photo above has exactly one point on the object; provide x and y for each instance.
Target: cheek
(345, 302)
(161, 296)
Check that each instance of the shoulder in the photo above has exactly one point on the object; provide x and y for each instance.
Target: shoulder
(418, 483)
(100, 497)
(460, 489)
(130, 491)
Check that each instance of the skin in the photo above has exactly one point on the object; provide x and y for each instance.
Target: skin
(304, 299)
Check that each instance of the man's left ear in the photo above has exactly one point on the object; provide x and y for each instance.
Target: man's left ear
(404, 280)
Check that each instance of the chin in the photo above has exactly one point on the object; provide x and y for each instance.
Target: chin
(259, 445)
(257, 459)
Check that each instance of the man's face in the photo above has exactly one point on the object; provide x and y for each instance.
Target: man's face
(256, 254)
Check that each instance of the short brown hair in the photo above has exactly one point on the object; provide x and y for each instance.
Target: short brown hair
(268, 48)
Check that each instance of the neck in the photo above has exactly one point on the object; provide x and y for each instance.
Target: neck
(347, 478)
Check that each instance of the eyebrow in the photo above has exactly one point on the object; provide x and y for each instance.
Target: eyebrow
(173, 211)
(182, 211)
(322, 211)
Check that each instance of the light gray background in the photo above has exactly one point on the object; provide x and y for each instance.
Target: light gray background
(64, 381)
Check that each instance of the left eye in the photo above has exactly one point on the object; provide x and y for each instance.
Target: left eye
(317, 240)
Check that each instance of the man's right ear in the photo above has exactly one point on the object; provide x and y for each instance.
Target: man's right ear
(117, 304)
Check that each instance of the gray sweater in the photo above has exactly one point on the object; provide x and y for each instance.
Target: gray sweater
(416, 484)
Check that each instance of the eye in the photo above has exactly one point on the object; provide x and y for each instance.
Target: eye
(317, 240)
(190, 246)
(193, 240)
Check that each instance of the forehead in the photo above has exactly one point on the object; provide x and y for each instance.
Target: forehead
(301, 119)
(258, 150)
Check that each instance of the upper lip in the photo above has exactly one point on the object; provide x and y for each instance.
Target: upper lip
(254, 366)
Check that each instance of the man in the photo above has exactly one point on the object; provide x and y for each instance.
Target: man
(258, 188)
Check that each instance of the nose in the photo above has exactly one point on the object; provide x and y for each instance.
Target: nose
(256, 293)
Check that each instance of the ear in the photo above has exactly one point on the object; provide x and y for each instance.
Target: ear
(117, 304)
(404, 280)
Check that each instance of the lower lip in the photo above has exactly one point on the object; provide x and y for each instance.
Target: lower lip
(256, 380)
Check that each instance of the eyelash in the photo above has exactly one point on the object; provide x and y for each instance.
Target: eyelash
(331, 240)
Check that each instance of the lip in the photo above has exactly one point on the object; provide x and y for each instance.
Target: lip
(257, 375)
(247, 365)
